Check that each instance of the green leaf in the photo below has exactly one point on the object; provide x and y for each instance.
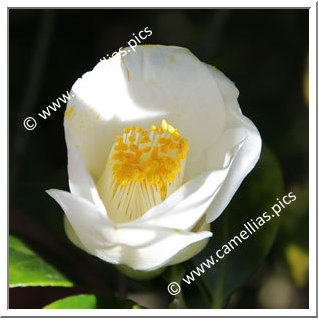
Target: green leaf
(74, 302)
(255, 196)
(91, 302)
(27, 269)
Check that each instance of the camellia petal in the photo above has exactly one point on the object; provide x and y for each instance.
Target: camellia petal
(140, 89)
(248, 154)
(80, 181)
(113, 243)
(193, 249)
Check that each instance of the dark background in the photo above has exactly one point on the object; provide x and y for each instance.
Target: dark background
(263, 51)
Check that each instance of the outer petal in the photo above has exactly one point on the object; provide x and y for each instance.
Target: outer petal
(248, 154)
(162, 252)
(80, 181)
(89, 224)
(193, 249)
(100, 108)
(141, 248)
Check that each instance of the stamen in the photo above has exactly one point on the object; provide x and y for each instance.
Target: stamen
(164, 125)
(142, 170)
(153, 128)
(138, 130)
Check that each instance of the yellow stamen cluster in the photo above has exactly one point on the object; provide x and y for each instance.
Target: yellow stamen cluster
(144, 167)
(152, 156)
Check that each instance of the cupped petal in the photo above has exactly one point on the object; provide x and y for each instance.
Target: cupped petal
(141, 88)
(160, 253)
(173, 80)
(192, 249)
(237, 126)
(73, 237)
(141, 248)
(80, 181)
(88, 223)
(180, 256)
(98, 111)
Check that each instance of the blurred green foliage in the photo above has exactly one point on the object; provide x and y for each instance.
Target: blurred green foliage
(74, 302)
(90, 302)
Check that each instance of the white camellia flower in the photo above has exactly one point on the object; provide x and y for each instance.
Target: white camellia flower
(157, 146)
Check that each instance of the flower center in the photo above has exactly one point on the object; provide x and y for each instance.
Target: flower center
(143, 169)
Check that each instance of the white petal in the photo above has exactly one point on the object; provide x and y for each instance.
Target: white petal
(100, 109)
(192, 249)
(141, 88)
(173, 80)
(141, 248)
(88, 223)
(80, 181)
(72, 235)
(238, 127)
(159, 253)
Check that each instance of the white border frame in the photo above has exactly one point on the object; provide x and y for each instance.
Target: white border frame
(312, 157)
